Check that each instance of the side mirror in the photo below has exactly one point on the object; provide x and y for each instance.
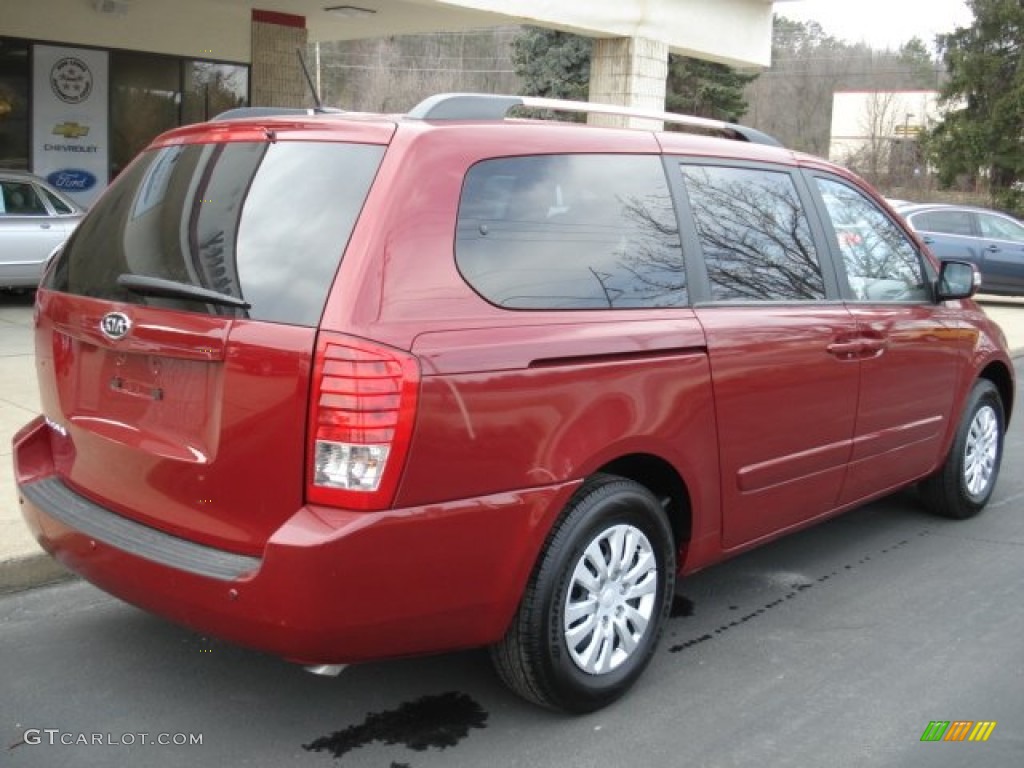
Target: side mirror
(957, 280)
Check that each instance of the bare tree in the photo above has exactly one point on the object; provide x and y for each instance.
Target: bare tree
(878, 132)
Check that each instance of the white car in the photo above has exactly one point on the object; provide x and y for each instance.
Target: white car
(35, 218)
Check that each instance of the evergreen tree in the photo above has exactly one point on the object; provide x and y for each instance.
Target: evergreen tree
(919, 69)
(553, 64)
(982, 133)
(705, 88)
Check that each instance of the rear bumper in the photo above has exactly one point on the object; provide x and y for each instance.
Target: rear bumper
(331, 586)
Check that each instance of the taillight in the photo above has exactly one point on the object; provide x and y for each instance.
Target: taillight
(361, 417)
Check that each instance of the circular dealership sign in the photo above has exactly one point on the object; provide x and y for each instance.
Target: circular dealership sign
(71, 80)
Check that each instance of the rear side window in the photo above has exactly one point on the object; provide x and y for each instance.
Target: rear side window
(947, 222)
(754, 233)
(19, 198)
(263, 222)
(570, 232)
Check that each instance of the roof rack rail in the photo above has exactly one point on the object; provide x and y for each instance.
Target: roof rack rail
(484, 106)
(241, 112)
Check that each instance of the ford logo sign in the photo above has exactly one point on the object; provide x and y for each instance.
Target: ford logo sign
(115, 325)
(72, 180)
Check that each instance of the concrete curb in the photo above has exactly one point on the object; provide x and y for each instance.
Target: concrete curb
(30, 571)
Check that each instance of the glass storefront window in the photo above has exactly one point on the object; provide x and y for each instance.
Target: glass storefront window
(14, 104)
(145, 98)
(150, 94)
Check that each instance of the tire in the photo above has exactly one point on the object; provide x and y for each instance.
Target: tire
(586, 628)
(964, 483)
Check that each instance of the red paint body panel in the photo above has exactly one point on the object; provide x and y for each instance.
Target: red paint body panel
(173, 443)
(786, 412)
(904, 418)
(532, 414)
(333, 586)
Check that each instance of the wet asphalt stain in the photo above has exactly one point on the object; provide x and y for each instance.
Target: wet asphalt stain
(437, 722)
(681, 606)
(793, 592)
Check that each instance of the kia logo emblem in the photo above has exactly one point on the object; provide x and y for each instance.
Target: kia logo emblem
(115, 325)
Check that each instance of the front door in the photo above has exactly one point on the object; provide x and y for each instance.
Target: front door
(909, 377)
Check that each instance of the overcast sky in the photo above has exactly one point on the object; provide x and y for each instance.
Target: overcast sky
(880, 23)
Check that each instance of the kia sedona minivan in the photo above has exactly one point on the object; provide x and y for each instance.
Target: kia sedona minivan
(344, 387)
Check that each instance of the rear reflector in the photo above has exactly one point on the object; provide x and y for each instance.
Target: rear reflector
(362, 411)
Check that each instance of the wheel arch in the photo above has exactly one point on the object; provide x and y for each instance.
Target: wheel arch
(664, 481)
(997, 372)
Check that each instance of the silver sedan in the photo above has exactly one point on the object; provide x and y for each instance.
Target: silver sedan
(34, 219)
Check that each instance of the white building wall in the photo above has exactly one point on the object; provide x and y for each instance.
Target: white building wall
(736, 32)
(859, 117)
(196, 28)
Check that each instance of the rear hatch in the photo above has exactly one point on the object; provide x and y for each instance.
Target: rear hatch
(177, 328)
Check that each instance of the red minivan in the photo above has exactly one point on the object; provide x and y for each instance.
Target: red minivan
(346, 387)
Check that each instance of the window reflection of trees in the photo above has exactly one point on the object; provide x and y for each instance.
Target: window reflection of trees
(571, 232)
(655, 254)
(755, 236)
(881, 263)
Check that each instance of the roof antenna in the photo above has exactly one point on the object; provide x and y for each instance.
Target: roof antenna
(318, 105)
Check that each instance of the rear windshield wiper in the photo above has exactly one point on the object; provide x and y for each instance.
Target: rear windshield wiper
(171, 289)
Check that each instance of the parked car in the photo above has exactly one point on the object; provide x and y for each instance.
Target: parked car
(992, 240)
(35, 218)
(344, 388)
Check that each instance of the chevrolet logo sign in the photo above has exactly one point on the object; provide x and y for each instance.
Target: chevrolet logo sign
(71, 130)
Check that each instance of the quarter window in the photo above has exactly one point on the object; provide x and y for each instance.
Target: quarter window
(58, 205)
(570, 232)
(754, 233)
(881, 263)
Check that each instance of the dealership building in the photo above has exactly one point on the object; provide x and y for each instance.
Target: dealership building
(86, 84)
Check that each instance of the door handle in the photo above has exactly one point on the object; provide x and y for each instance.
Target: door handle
(858, 349)
(845, 350)
(873, 347)
(45, 226)
(992, 248)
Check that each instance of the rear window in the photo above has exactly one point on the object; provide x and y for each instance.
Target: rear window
(265, 223)
(571, 232)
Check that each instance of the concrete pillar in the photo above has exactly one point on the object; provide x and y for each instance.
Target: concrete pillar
(632, 72)
(277, 79)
